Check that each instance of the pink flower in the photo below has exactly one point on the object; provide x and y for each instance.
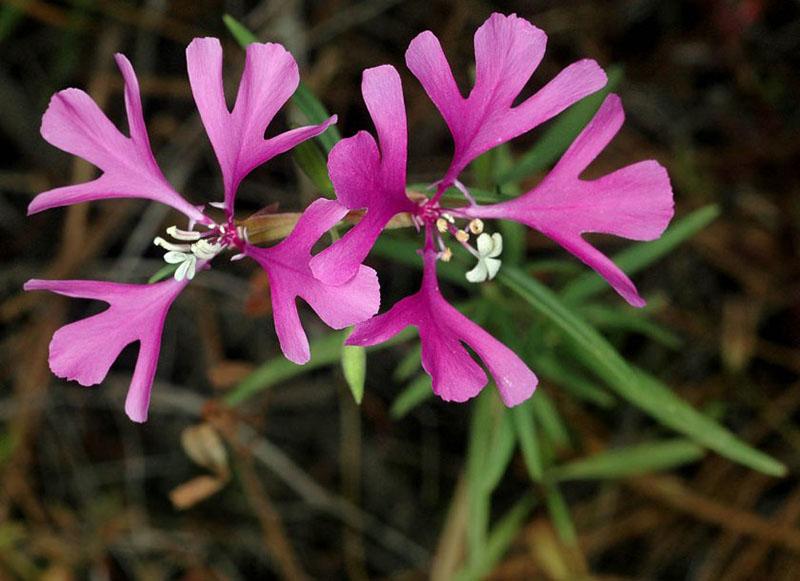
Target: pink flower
(635, 202)
(85, 350)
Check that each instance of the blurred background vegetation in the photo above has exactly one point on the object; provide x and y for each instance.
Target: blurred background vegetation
(231, 480)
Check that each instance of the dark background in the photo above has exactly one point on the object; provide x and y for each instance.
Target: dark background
(710, 89)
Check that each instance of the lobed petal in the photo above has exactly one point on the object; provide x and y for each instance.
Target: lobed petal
(444, 332)
(507, 51)
(84, 351)
(269, 79)
(634, 202)
(290, 276)
(365, 177)
(74, 123)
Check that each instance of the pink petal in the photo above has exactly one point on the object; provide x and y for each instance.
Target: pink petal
(507, 51)
(84, 351)
(364, 177)
(633, 202)
(290, 277)
(443, 333)
(270, 77)
(74, 123)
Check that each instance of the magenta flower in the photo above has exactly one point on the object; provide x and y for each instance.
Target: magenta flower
(634, 202)
(84, 351)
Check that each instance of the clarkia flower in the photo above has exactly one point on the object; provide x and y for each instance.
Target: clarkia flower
(634, 202)
(84, 350)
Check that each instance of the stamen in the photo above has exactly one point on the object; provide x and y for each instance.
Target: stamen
(463, 189)
(218, 205)
(461, 235)
(239, 256)
(179, 234)
(159, 241)
(441, 225)
(446, 254)
(205, 250)
(476, 226)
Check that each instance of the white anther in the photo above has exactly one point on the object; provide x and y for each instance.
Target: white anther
(489, 248)
(462, 236)
(241, 232)
(446, 254)
(186, 263)
(179, 234)
(187, 268)
(205, 250)
(239, 256)
(219, 205)
(159, 241)
(476, 226)
(448, 217)
(441, 225)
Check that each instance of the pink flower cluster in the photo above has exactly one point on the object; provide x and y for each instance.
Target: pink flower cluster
(634, 202)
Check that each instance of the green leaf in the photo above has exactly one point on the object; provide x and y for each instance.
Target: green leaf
(354, 366)
(239, 31)
(638, 388)
(565, 375)
(502, 448)
(316, 113)
(414, 394)
(524, 425)
(325, 351)
(630, 461)
(480, 432)
(550, 420)
(627, 319)
(561, 133)
(409, 364)
(163, 273)
(500, 539)
(303, 98)
(311, 161)
(641, 255)
(559, 513)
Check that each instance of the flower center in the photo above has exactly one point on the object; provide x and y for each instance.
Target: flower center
(192, 246)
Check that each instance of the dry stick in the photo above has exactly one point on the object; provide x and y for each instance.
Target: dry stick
(350, 460)
(173, 398)
(29, 386)
(674, 493)
(275, 538)
(774, 414)
(450, 550)
(745, 566)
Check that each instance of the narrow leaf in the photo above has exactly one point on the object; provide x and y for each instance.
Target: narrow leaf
(630, 461)
(641, 255)
(522, 417)
(311, 161)
(638, 388)
(414, 394)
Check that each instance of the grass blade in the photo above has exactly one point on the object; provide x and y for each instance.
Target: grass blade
(638, 257)
(641, 390)
(630, 461)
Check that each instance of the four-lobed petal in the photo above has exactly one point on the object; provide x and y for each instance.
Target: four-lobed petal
(83, 351)
(269, 79)
(634, 202)
(507, 51)
(74, 123)
(443, 332)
